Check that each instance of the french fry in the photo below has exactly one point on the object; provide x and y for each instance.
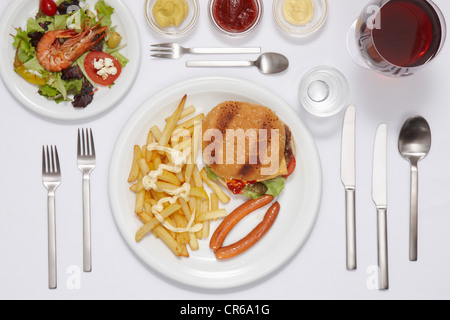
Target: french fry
(185, 208)
(146, 228)
(171, 124)
(167, 238)
(190, 123)
(134, 172)
(170, 177)
(186, 112)
(199, 193)
(149, 137)
(215, 187)
(161, 185)
(198, 211)
(221, 213)
(159, 232)
(133, 187)
(206, 223)
(139, 205)
(196, 138)
(180, 222)
(156, 133)
(140, 184)
(188, 172)
(193, 243)
(214, 202)
(199, 208)
(198, 182)
(143, 166)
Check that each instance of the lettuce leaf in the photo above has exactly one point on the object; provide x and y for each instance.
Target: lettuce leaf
(104, 13)
(34, 65)
(251, 194)
(80, 63)
(211, 174)
(275, 186)
(56, 82)
(48, 91)
(272, 187)
(26, 51)
(34, 26)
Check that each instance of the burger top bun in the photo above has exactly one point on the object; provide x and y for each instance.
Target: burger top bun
(241, 164)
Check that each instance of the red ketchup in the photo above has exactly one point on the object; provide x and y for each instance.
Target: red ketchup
(236, 186)
(235, 15)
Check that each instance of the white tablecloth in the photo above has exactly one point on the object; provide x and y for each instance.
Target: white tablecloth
(318, 270)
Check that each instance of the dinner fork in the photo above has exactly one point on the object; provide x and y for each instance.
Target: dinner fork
(175, 50)
(51, 178)
(86, 163)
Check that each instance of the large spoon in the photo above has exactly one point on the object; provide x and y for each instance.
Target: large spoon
(414, 143)
(267, 63)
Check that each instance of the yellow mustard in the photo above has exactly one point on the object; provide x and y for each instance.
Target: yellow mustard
(298, 12)
(169, 13)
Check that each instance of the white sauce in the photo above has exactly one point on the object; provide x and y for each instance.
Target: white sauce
(149, 182)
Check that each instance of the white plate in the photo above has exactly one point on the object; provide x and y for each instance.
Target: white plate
(299, 201)
(16, 15)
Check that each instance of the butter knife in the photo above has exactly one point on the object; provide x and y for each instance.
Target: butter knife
(379, 194)
(348, 178)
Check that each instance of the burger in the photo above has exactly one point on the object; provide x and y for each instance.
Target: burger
(247, 148)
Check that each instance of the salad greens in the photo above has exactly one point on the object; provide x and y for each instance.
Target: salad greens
(74, 80)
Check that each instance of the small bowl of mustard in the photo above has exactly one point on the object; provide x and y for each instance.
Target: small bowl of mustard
(172, 17)
(300, 18)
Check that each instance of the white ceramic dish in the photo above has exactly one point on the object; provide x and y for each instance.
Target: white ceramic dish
(299, 201)
(16, 15)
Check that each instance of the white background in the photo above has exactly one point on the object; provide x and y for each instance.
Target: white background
(318, 270)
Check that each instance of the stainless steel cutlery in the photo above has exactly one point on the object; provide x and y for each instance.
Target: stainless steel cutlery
(86, 163)
(379, 194)
(267, 63)
(51, 178)
(175, 50)
(414, 143)
(349, 180)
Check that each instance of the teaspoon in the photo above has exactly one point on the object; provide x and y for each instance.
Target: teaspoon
(414, 144)
(267, 63)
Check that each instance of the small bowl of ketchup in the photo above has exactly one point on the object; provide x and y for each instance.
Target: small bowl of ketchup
(235, 17)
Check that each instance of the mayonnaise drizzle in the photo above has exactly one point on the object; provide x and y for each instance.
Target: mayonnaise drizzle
(149, 183)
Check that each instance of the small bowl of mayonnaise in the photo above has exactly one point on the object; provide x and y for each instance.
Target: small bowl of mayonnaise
(300, 17)
(172, 17)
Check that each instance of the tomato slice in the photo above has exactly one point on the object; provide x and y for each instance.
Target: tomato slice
(92, 71)
(291, 167)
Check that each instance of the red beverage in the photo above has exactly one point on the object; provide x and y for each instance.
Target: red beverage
(398, 37)
(409, 34)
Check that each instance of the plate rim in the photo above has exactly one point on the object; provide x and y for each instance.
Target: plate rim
(84, 114)
(143, 108)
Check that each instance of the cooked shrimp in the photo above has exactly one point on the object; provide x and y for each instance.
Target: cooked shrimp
(54, 56)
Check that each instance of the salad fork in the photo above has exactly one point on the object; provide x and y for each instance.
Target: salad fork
(175, 50)
(51, 178)
(86, 163)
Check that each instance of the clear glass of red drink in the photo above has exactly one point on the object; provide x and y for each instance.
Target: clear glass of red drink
(397, 37)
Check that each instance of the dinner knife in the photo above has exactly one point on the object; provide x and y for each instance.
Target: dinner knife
(379, 194)
(349, 180)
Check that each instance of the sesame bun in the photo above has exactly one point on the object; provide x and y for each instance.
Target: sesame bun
(226, 119)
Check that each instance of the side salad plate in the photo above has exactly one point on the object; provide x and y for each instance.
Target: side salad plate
(299, 201)
(69, 90)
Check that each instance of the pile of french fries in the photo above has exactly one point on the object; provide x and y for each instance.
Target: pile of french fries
(183, 135)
